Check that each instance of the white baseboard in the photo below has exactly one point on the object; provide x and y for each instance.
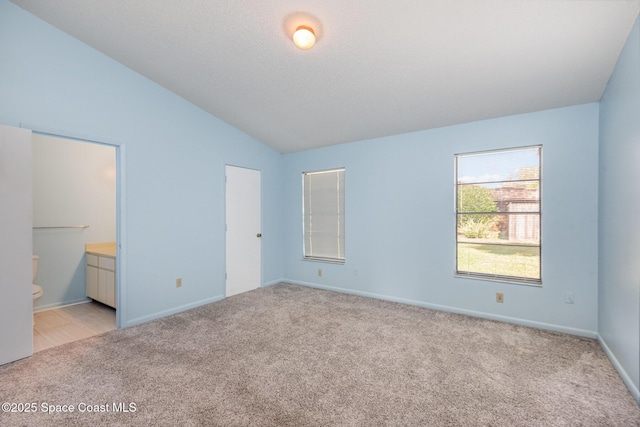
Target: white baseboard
(490, 316)
(60, 304)
(165, 313)
(623, 374)
(273, 282)
(158, 315)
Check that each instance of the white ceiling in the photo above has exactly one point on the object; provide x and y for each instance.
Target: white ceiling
(379, 67)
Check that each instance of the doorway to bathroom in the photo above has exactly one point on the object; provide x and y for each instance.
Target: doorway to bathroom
(75, 201)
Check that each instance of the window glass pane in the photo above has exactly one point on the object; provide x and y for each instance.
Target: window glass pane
(498, 166)
(497, 197)
(498, 212)
(476, 198)
(521, 193)
(510, 261)
(512, 229)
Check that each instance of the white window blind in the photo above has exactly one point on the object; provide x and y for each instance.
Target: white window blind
(323, 204)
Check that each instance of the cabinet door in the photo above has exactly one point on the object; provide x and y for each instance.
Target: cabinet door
(92, 260)
(102, 288)
(92, 282)
(110, 286)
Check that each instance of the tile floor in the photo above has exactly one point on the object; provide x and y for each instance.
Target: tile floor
(71, 323)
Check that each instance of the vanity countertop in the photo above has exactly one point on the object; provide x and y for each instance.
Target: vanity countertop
(102, 249)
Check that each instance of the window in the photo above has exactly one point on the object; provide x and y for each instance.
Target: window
(498, 215)
(323, 205)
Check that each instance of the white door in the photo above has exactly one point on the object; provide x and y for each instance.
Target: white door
(243, 242)
(16, 302)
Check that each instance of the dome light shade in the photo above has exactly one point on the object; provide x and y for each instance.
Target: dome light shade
(304, 37)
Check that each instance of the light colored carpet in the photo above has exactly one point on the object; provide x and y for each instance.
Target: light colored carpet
(295, 356)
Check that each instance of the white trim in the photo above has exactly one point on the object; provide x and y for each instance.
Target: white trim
(121, 236)
(55, 305)
(506, 319)
(326, 260)
(623, 374)
(71, 135)
(514, 281)
(272, 283)
(161, 314)
(498, 150)
(121, 209)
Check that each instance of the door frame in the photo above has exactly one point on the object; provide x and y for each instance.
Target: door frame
(121, 223)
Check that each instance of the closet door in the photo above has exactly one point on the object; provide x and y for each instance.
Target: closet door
(243, 220)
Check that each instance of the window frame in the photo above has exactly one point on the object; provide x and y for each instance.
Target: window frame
(537, 282)
(333, 260)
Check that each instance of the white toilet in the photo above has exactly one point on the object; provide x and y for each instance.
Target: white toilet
(37, 290)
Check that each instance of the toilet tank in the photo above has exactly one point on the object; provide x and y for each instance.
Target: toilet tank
(35, 267)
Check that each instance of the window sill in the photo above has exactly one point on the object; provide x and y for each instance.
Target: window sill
(325, 260)
(513, 281)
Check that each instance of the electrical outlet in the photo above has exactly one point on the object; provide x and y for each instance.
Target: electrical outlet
(499, 297)
(179, 282)
(320, 272)
(569, 298)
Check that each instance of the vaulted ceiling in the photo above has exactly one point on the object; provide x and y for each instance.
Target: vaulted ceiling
(378, 68)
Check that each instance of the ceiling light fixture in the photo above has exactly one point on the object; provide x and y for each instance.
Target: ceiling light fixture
(304, 37)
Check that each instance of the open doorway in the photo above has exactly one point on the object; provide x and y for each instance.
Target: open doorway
(75, 191)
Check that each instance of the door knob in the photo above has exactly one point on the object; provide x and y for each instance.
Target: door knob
(259, 235)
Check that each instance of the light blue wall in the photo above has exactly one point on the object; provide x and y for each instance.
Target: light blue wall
(400, 221)
(174, 160)
(619, 214)
(400, 224)
(74, 183)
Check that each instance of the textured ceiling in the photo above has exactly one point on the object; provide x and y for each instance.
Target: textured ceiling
(379, 67)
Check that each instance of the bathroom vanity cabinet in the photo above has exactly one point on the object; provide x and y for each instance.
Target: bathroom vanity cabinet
(101, 273)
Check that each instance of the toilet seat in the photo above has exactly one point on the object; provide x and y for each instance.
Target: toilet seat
(37, 291)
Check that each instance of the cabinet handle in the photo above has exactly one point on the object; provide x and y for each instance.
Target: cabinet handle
(259, 235)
